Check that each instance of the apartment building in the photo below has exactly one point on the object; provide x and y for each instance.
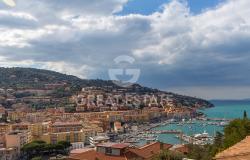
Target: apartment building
(17, 139)
(4, 127)
(8, 154)
(98, 139)
(72, 137)
(38, 129)
(20, 126)
(65, 127)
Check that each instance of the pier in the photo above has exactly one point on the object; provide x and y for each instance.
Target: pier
(219, 119)
(165, 132)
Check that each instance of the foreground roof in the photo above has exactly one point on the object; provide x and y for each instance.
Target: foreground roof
(145, 152)
(93, 155)
(150, 150)
(240, 151)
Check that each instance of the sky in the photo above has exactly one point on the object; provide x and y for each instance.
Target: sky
(193, 47)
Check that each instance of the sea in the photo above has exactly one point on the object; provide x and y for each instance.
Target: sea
(226, 109)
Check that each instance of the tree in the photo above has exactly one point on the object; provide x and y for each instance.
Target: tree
(236, 131)
(199, 152)
(39, 148)
(168, 155)
(37, 158)
(34, 148)
(218, 144)
(66, 144)
(245, 115)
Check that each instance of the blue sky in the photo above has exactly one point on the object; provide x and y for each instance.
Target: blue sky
(147, 7)
(194, 47)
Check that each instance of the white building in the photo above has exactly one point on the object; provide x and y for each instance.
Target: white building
(98, 139)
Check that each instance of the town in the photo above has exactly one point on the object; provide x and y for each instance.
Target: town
(96, 115)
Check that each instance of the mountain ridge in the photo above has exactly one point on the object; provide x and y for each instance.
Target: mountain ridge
(32, 78)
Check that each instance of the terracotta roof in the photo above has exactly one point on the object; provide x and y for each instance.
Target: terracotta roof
(240, 151)
(145, 152)
(183, 149)
(150, 150)
(180, 148)
(78, 151)
(93, 155)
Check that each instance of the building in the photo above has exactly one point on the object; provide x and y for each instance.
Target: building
(8, 154)
(238, 151)
(2, 113)
(38, 129)
(118, 128)
(119, 151)
(2, 140)
(66, 127)
(20, 127)
(98, 139)
(113, 149)
(148, 151)
(4, 127)
(72, 137)
(17, 139)
(77, 145)
(91, 132)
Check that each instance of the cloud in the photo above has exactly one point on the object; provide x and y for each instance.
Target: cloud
(172, 46)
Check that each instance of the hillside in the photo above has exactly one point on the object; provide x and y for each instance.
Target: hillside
(30, 78)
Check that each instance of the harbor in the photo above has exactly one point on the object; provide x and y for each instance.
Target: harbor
(196, 131)
(182, 131)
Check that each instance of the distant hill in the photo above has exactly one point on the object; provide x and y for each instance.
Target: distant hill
(30, 78)
(36, 78)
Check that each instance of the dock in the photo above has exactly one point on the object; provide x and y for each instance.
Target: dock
(165, 132)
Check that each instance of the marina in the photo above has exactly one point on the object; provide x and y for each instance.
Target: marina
(199, 130)
(175, 132)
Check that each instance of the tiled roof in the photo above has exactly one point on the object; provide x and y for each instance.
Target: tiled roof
(145, 152)
(150, 150)
(180, 148)
(240, 151)
(93, 155)
(78, 151)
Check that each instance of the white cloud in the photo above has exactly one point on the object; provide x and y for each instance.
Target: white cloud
(21, 15)
(82, 71)
(86, 35)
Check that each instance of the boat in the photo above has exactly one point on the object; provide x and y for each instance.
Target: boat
(180, 124)
(223, 123)
(203, 135)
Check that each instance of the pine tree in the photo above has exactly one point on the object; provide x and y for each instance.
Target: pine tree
(245, 114)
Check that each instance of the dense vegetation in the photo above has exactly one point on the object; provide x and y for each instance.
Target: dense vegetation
(37, 78)
(39, 148)
(236, 131)
(168, 155)
(30, 78)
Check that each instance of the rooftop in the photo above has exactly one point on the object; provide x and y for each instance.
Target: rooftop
(114, 145)
(145, 152)
(150, 150)
(238, 151)
(66, 123)
(98, 138)
(93, 155)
